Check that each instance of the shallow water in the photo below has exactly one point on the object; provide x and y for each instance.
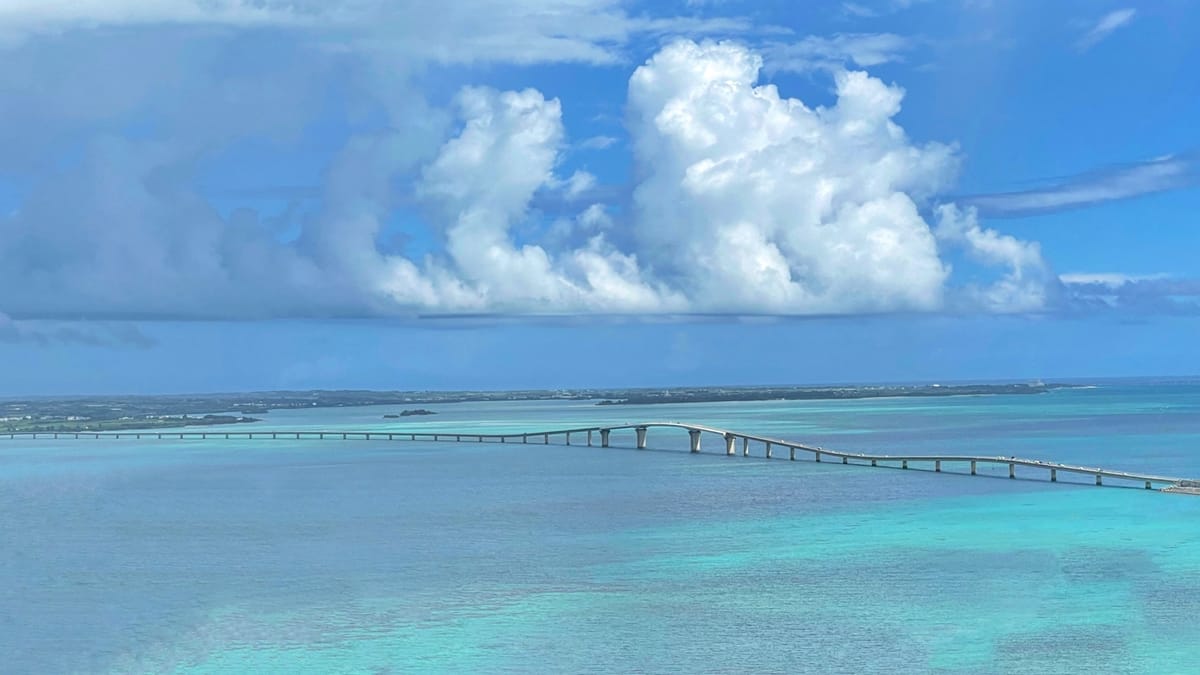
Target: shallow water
(279, 556)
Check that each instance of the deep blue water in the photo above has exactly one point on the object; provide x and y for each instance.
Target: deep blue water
(253, 556)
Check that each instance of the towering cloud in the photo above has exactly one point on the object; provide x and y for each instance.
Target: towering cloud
(753, 201)
(483, 180)
(745, 201)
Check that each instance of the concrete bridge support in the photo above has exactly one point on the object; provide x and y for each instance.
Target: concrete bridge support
(972, 467)
(792, 453)
(568, 438)
(1147, 485)
(1098, 481)
(604, 437)
(545, 439)
(845, 460)
(641, 438)
(937, 466)
(873, 463)
(817, 456)
(589, 438)
(695, 439)
(1012, 470)
(745, 447)
(730, 440)
(1053, 475)
(768, 450)
(904, 464)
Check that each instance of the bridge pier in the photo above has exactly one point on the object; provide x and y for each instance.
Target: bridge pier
(604, 437)
(845, 460)
(1053, 475)
(768, 449)
(545, 439)
(730, 440)
(694, 435)
(873, 463)
(1012, 470)
(525, 438)
(589, 438)
(1147, 485)
(745, 447)
(568, 438)
(641, 438)
(904, 464)
(817, 456)
(972, 467)
(1098, 481)
(792, 453)
(937, 466)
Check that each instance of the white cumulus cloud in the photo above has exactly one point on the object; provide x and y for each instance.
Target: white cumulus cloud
(1025, 283)
(483, 180)
(754, 201)
(746, 201)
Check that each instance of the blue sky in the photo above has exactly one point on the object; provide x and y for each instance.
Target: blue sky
(249, 194)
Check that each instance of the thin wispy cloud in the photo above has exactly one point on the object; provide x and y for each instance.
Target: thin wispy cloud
(862, 11)
(1156, 294)
(1095, 187)
(92, 334)
(859, 49)
(868, 9)
(1105, 27)
(597, 142)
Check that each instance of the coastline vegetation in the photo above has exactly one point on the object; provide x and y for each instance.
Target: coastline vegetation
(116, 413)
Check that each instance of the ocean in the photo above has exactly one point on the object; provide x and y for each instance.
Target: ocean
(414, 557)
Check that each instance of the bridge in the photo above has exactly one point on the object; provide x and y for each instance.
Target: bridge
(603, 434)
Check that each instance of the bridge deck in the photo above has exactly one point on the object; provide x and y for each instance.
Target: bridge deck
(394, 435)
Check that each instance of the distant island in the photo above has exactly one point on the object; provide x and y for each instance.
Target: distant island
(722, 395)
(409, 413)
(121, 423)
(115, 413)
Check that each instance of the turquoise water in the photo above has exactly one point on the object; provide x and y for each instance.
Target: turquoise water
(375, 557)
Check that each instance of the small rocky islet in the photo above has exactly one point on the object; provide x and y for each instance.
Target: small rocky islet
(409, 413)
